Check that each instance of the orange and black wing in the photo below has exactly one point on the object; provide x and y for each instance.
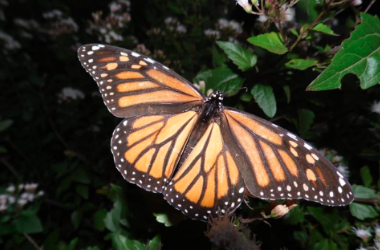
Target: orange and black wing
(132, 84)
(208, 181)
(146, 149)
(275, 164)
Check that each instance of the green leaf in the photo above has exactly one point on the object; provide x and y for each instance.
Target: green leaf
(120, 242)
(116, 216)
(287, 93)
(225, 80)
(99, 218)
(28, 222)
(363, 192)
(322, 28)
(154, 244)
(363, 211)
(72, 244)
(164, 219)
(5, 124)
(366, 176)
(80, 176)
(76, 218)
(295, 216)
(272, 42)
(359, 55)
(300, 64)
(306, 11)
(264, 96)
(246, 97)
(322, 245)
(242, 57)
(217, 58)
(305, 120)
(82, 190)
(327, 220)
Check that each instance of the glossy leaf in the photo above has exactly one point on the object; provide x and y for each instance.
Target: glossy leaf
(360, 55)
(300, 64)
(272, 42)
(363, 192)
(322, 28)
(28, 222)
(363, 211)
(224, 79)
(242, 57)
(154, 244)
(306, 10)
(264, 96)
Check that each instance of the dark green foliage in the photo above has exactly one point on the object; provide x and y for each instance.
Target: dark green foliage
(55, 131)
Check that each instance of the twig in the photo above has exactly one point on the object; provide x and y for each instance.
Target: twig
(371, 201)
(30, 239)
(10, 167)
(369, 6)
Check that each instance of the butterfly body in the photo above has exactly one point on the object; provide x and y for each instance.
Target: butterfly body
(203, 157)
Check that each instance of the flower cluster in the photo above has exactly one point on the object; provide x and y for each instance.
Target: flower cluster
(108, 29)
(9, 43)
(59, 24)
(68, 94)
(225, 30)
(27, 27)
(19, 195)
(365, 234)
(174, 25)
(376, 107)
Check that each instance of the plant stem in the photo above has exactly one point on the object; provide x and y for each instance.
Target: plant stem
(369, 6)
(30, 239)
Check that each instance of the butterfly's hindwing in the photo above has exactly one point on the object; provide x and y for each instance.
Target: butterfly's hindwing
(208, 182)
(280, 165)
(146, 149)
(132, 84)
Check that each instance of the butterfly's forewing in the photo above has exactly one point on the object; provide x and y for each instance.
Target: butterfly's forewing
(132, 84)
(208, 181)
(276, 164)
(146, 148)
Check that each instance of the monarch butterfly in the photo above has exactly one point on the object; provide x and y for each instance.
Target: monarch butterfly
(203, 157)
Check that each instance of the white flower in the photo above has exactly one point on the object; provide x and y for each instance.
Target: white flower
(40, 193)
(3, 198)
(361, 248)
(209, 92)
(343, 170)
(30, 197)
(181, 29)
(212, 33)
(24, 196)
(9, 42)
(3, 207)
(290, 13)
(11, 189)
(52, 14)
(356, 2)
(70, 93)
(11, 199)
(245, 4)
(362, 233)
(377, 244)
(233, 25)
(69, 22)
(31, 187)
(377, 230)
(22, 202)
(20, 187)
(376, 107)
(336, 158)
(262, 18)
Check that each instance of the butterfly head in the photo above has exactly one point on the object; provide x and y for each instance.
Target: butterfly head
(213, 105)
